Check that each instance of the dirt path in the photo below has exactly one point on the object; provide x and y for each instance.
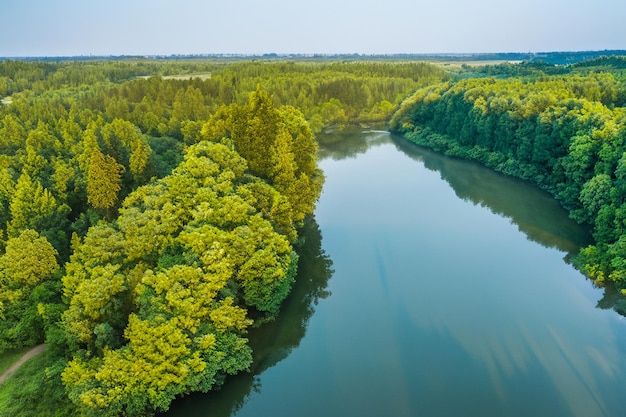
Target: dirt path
(34, 351)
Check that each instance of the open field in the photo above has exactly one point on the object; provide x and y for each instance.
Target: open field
(473, 63)
(202, 76)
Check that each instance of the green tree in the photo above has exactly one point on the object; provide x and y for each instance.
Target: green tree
(159, 301)
(29, 260)
(104, 180)
(278, 146)
(34, 207)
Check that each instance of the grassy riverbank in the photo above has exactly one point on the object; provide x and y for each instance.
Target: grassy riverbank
(8, 358)
(32, 392)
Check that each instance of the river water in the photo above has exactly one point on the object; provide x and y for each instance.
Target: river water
(430, 286)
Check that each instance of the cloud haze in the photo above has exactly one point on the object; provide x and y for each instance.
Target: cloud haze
(115, 27)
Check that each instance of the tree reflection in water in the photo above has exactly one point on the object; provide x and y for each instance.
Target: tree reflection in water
(271, 342)
(521, 202)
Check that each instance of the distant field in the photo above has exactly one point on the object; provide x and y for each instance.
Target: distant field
(474, 63)
(202, 76)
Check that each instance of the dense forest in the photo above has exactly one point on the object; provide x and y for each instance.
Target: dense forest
(151, 213)
(152, 210)
(562, 128)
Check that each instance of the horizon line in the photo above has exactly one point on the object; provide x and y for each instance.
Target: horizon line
(312, 55)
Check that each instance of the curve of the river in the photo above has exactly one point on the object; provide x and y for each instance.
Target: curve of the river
(449, 294)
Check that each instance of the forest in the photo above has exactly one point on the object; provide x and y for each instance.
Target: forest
(562, 128)
(152, 210)
(151, 213)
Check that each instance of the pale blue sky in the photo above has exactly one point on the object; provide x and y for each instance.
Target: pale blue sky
(149, 27)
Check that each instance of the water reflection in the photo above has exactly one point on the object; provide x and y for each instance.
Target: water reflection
(350, 142)
(273, 341)
(536, 213)
(612, 299)
(439, 308)
(467, 316)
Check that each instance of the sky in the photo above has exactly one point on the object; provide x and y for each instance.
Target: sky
(160, 27)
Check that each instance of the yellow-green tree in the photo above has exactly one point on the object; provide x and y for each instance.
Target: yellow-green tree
(278, 145)
(104, 180)
(159, 301)
(34, 207)
(29, 260)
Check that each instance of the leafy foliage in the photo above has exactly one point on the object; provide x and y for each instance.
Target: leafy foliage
(278, 145)
(29, 260)
(150, 329)
(566, 133)
(148, 211)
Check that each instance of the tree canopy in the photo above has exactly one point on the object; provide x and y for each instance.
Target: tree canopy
(150, 211)
(160, 300)
(565, 132)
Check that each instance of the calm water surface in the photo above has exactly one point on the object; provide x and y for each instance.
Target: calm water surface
(432, 287)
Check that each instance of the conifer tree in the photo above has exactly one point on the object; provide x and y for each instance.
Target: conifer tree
(103, 180)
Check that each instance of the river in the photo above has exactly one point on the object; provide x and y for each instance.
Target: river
(430, 286)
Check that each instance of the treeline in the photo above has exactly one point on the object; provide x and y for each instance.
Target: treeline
(40, 76)
(539, 68)
(566, 133)
(326, 93)
(149, 214)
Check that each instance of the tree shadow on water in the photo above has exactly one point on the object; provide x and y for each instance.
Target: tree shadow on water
(534, 211)
(272, 342)
(349, 142)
